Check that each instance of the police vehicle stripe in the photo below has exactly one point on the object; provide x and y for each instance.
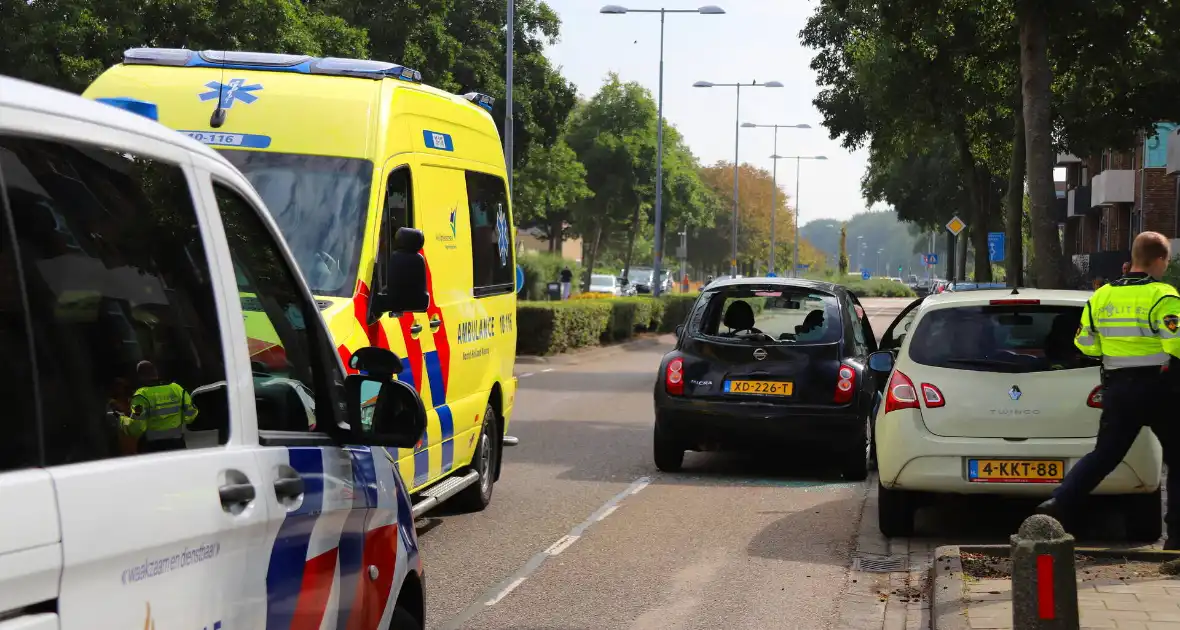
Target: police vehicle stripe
(447, 422)
(285, 572)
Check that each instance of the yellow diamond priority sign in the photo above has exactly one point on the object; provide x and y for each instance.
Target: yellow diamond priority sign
(956, 225)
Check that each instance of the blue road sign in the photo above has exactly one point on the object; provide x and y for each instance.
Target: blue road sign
(995, 246)
(804, 266)
(864, 274)
(772, 275)
(930, 259)
(519, 278)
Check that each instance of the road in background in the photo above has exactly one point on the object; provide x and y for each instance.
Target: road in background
(584, 532)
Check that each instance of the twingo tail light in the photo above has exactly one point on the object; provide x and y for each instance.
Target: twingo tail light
(1094, 400)
(932, 396)
(845, 384)
(900, 393)
(674, 377)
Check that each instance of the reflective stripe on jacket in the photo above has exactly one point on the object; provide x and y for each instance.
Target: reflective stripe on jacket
(1132, 322)
(159, 412)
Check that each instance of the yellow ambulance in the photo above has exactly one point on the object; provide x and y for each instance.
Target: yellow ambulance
(344, 152)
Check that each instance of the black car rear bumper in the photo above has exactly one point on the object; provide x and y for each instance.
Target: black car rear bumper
(740, 425)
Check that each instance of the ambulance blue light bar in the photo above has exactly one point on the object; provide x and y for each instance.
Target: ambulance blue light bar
(271, 62)
(143, 108)
(483, 100)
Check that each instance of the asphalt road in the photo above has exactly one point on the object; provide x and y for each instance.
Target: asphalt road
(584, 532)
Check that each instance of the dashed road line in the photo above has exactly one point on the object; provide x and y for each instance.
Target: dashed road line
(497, 593)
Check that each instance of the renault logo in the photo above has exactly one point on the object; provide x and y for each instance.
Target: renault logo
(1014, 393)
(760, 354)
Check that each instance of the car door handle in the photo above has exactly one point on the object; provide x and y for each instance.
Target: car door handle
(435, 323)
(289, 487)
(415, 329)
(233, 494)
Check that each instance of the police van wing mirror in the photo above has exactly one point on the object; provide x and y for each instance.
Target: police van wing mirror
(405, 288)
(383, 412)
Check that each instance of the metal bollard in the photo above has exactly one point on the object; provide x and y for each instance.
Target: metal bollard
(1044, 584)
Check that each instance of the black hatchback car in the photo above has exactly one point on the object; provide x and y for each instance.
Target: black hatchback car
(769, 362)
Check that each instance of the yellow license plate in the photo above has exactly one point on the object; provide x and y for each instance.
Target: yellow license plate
(765, 388)
(1015, 470)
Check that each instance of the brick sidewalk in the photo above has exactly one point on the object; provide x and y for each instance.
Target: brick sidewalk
(1147, 605)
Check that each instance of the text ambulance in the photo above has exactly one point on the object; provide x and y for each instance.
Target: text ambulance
(344, 152)
(131, 255)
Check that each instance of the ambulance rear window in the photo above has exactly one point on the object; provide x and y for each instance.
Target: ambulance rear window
(320, 205)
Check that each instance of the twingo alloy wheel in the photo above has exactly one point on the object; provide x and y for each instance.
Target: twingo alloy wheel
(478, 495)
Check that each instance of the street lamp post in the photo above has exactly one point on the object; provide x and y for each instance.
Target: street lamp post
(878, 271)
(657, 257)
(736, 143)
(860, 244)
(774, 189)
(509, 126)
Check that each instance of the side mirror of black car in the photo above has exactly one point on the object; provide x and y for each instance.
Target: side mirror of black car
(881, 361)
(405, 289)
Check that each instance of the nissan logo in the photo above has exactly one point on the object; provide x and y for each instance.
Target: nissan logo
(760, 354)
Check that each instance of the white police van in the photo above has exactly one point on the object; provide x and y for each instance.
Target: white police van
(125, 244)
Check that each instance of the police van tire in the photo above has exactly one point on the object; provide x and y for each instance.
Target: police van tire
(403, 620)
(477, 496)
(1143, 517)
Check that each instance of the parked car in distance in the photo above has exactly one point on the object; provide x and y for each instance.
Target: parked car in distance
(790, 373)
(987, 394)
(605, 283)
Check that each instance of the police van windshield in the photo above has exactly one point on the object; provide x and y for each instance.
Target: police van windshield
(319, 204)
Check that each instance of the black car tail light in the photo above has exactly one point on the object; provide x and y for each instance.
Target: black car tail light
(674, 377)
(845, 384)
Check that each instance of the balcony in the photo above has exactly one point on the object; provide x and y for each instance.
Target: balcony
(1065, 159)
(1173, 152)
(1112, 186)
(1077, 202)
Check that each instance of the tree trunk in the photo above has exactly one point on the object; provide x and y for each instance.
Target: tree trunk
(980, 211)
(556, 228)
(631, 241)
(1014, 212)
(1037, 76)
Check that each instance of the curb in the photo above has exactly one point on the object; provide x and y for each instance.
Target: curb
(948, 601)
(1143, 554)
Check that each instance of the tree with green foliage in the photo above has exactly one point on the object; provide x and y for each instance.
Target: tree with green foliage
(546, 189)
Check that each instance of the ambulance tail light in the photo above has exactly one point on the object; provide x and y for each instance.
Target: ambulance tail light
(674, 377)
(1094, 400)
(900, 393)
(845, 384)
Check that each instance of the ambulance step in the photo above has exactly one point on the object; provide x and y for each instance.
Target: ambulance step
(511, 441)
(434, 495)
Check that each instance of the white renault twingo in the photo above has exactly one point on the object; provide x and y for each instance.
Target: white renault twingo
(987, 394)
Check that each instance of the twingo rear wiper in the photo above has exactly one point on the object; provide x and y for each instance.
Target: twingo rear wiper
(988, 363)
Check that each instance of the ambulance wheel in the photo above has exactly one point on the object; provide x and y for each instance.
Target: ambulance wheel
(477, 496)
(403, 620)
(1143, 517)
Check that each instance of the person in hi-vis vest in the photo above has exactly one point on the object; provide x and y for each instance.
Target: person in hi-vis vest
(159, 412)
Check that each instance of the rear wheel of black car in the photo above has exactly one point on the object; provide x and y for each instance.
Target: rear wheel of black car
(669, 453)
(857, 460)
(895, 512)
(1143, 517)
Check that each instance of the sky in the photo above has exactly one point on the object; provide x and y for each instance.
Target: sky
(754, 40)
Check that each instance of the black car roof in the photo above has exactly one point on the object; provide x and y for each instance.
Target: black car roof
(798, 283)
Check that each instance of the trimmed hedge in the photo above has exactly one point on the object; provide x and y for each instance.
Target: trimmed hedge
(541, 268)
(548, 328)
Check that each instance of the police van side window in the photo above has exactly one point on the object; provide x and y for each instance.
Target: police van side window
(124, 327)
(287, 371)
(491, 235)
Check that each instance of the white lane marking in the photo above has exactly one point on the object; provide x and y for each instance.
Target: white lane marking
(525, 375)
(562, 544)
(498, 592)
(504, 593)
(547, 370)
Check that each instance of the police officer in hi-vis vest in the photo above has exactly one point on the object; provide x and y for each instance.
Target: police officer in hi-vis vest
(1133, 324)
(159, 412)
